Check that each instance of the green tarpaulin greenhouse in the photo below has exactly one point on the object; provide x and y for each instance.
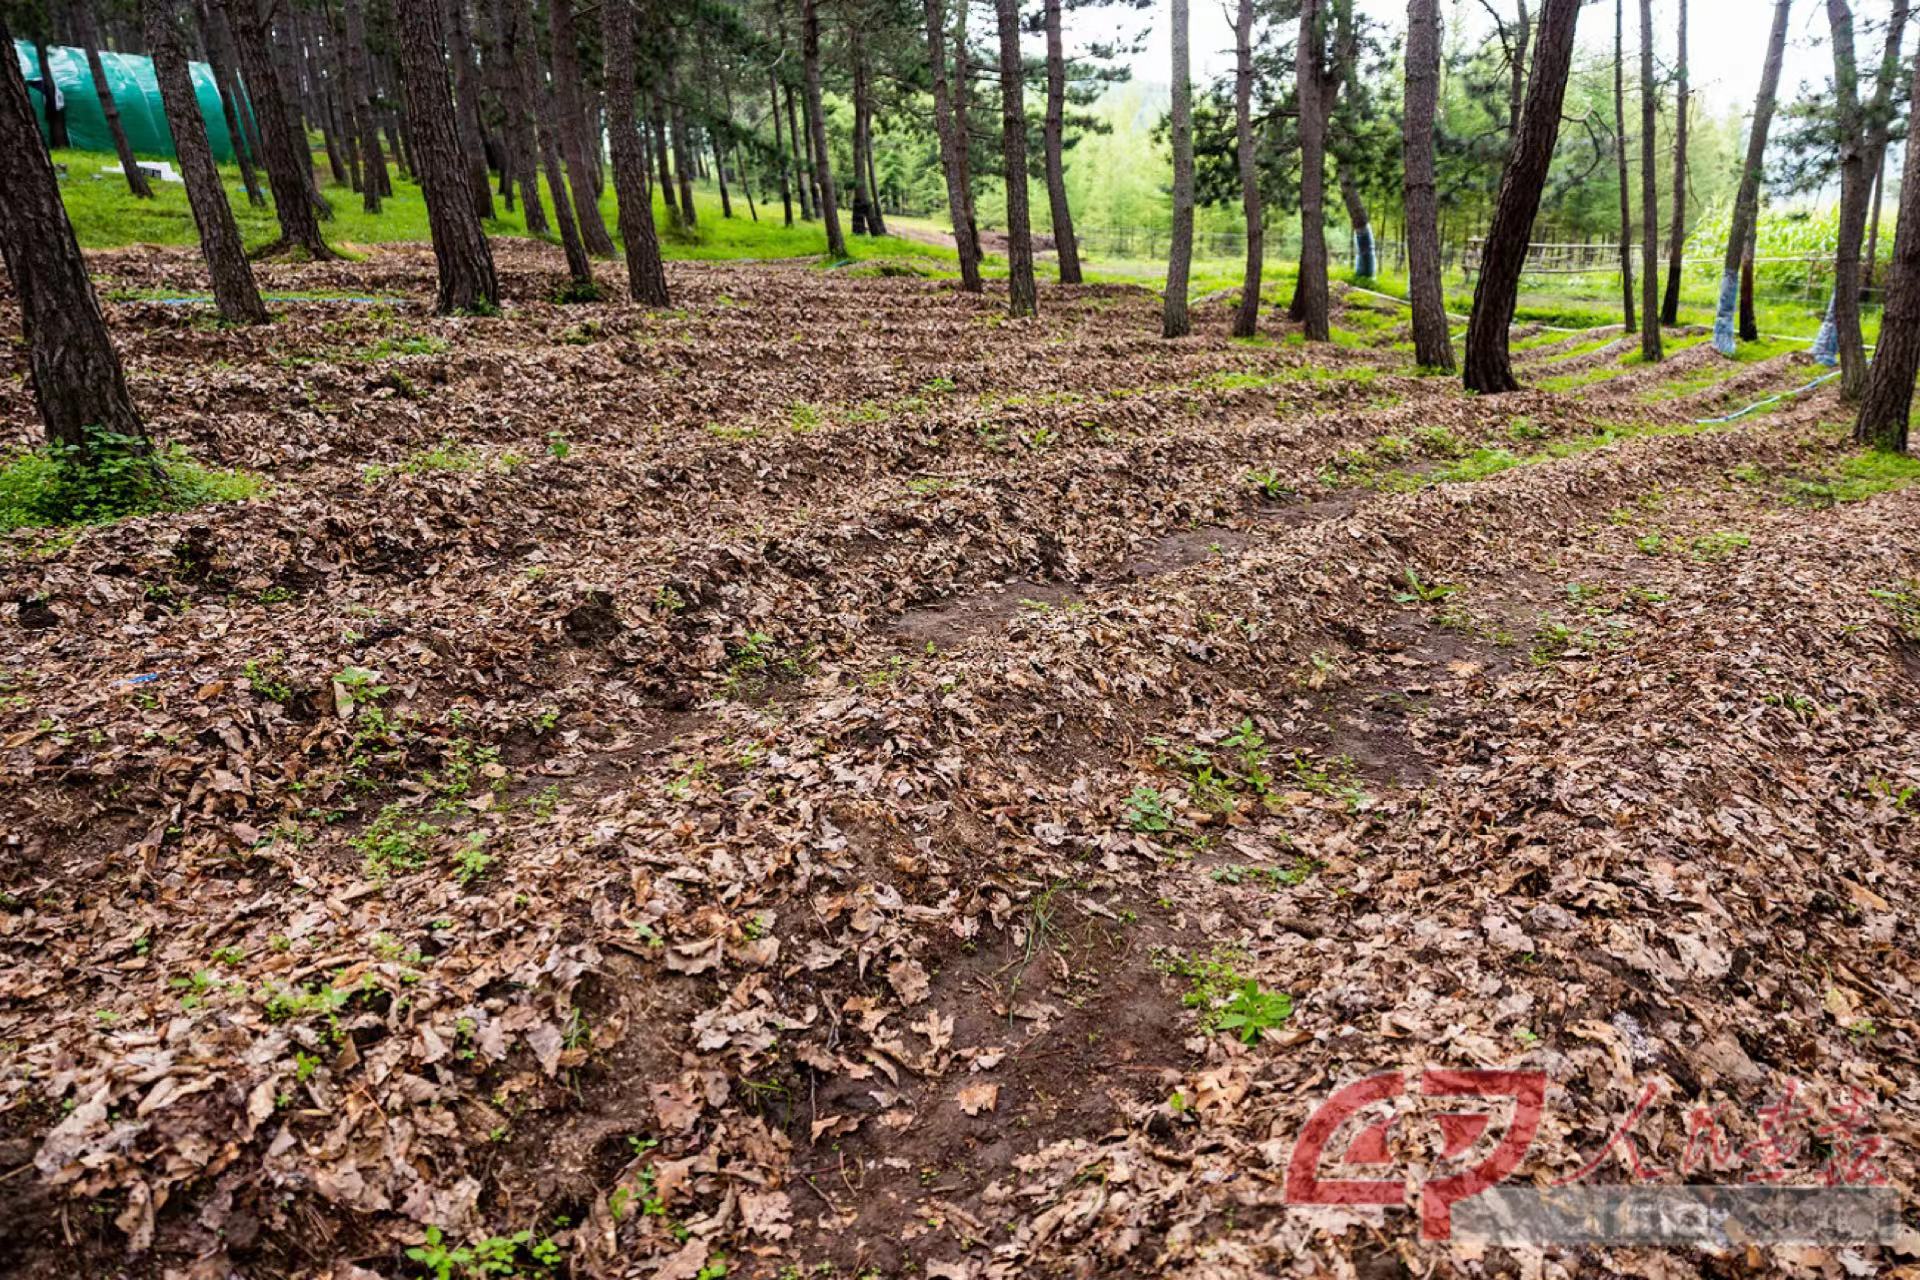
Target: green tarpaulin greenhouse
(135, 93)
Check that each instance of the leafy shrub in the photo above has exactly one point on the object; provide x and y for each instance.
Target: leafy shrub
(110, 477)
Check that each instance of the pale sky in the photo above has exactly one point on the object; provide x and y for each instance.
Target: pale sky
(1727, 39)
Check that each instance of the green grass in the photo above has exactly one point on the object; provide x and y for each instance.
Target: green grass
(51, 486)
(105, 216)
(1856, 477)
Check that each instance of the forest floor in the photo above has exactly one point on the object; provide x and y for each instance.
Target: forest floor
(827, 781)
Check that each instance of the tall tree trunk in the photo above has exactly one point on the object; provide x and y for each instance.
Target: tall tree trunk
(943, 127)
(283, 144)
(866, 215)
(714, 130)
(1872, 269)
(1888, 401)
(234, 292)
(460, 249)
(1746, 201)
(1432, 343)
(1246, 317)
(1174, 320)
(541, 133)
(1677, 233)
(519, 73)
(87, 32)
(1310, 301)
(339, 77)
(219, 47)
(1749, 317)
(1517, 73)
(802, 169)
(683, 155)
(817, 128)
(876, 216)
(1649, 198)
(1065, 246)
(1620, 151)
(1022, 296)
(373, 161)
(313, 89)
(1488, 369)
(572, 138)
(50, 98)
(720, 171)
(1863, 137)
(581, 286)
(466, 88)
(962, 130)
(779, 147)
(646, 277)
(663, 153)
(78, 384)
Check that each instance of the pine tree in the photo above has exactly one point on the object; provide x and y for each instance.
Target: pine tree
(78, 384)
(1488, 367)
(234, 291)
(1432, 343)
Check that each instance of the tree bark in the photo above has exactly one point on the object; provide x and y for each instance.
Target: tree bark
(234, 291)
(467, 280)
(943, 127)
(663, 153)
(519, 72)
(802, 169)
(1066, 247)
(1310, 301)
(817, 128)
(1746, 201)
(1863, 138)
(1872, 268)
(1246, 317)
(87, 33)
(541, 133)
(50, 99)
(373, 162)
(683, 153)
(571, 129)
(1517, 84)
(1888, 401)
(1175, 322)
(779, 147)
(1677, 233)
(309, 67)
(1432, 343)
(1517, 201)
(1749, 317)
(1650, 350)
(1022, 295)
(646, 276)
(283, 142)
(962, 130)
(466, 88)
(1620, 151)
(219, 47)
(78, 384)
(876, 216)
